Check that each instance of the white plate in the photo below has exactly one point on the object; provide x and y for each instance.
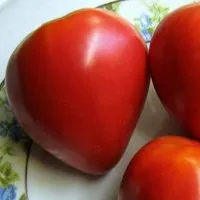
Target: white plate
(26, 171)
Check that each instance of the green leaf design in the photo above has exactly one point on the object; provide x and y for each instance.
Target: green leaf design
(150, 29)
(112, 6)
(158, 12)
(7, 149)
(137, 26)
(23, 197)
(7, 174)
(5, 128)
(1, 102)
(136, 22)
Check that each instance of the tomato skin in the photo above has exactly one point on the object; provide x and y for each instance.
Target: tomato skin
(174, 61)
(77, 86)
(166, 168)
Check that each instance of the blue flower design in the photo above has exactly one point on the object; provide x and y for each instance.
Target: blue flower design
(16, 131)
(12, 130)
(147, 36)
(1, 191)
(145, 24)
(4, 130)
(8, 193)
(145, 21)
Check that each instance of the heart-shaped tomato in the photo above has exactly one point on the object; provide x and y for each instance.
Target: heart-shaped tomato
(77, 86)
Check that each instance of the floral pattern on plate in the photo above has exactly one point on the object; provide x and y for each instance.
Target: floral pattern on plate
(148, 20)
(146, 23)
(13, 150)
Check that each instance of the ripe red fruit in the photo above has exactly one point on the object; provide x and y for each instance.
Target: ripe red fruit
(77, 86)
(174, 60)
(166, 168)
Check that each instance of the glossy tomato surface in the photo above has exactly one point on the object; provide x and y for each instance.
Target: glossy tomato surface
(174, 60)
(166, 168)
(77, 86)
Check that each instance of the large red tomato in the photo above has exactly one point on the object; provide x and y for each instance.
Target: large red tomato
(165, 169)
(175, 65)
(77, 86)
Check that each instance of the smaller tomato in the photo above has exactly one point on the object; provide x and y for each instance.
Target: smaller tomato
(165, 169)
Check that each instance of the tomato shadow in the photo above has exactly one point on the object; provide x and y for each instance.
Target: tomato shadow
(54, 176)
(50, 161)
(155, 121)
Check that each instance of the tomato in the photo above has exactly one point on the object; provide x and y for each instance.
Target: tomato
(174, 61)
(77, 86)
(166, 168)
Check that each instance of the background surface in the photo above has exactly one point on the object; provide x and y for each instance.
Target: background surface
(19, 17)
